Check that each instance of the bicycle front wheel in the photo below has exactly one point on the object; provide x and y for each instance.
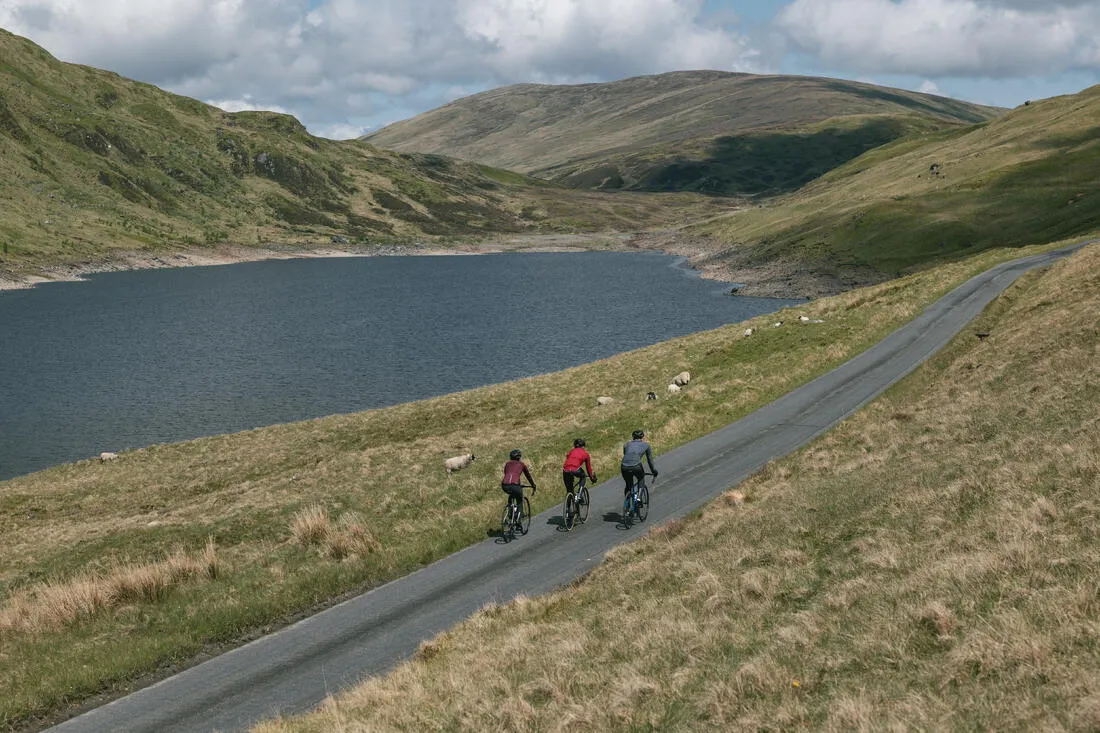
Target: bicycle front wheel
(643, 504)
(506, 529)
(525, 517)
(582, 505)
(569, 511)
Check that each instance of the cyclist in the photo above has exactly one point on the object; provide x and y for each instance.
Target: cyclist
(633, 453)
(576, 463)
(511, 484)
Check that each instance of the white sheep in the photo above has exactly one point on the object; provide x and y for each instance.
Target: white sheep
(777, 324)
(804, 319)
(457, 463)
(749, 332)
(681, 379)
(107, 456)
(604, 400)
(673, 388)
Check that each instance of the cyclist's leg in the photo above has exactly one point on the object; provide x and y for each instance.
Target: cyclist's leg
(567, 478)
(628, 477)
(515, 493)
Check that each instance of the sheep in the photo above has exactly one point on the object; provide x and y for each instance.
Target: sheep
(107, 456)
(650, 396)
(777, 324)
(457, 463)
(804, 319)
(604, 400)
(681, 379)
(673, 388)
(749, 332)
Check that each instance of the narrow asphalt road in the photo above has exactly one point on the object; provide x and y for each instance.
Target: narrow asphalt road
(292, 670)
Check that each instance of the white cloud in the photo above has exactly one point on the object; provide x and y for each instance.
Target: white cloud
(245, 105)
(347, 59)
(342, 131)
(992, 38)
(929, 87)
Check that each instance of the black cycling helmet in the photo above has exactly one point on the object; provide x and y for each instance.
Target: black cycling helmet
(578, 443)
(638, 434)
(515, 455)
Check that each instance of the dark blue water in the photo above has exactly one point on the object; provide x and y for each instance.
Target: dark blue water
(132, 359)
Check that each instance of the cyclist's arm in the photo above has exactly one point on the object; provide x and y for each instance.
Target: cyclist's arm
(588, 465)
(527, 473)
(649, 457)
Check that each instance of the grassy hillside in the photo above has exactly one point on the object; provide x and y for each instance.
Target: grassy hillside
(92, 164)
(1032, 175)
(929, 565)
(106, 565)
(707, 131)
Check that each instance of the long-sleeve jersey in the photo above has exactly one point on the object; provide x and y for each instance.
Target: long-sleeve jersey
(633, 453)
(576, 458)
(512, 472)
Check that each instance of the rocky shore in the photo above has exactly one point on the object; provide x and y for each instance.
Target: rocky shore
(713, 260)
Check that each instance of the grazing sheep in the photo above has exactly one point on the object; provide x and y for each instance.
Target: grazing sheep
(749, 332)
(803, 318)
(650, 396)
(777, 324)
(673, 388)
(681, 379)
(107, 456)
(457, 463)
(604, 400)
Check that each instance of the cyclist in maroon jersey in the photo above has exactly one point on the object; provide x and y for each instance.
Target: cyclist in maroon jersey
(514, 471)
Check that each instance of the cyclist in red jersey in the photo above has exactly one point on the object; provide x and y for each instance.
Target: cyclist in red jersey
(514, 471)
(576, 463)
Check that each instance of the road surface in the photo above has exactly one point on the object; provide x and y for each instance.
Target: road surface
(292, 670)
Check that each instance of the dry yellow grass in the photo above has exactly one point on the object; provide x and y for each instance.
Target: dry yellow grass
(52, 606)
(931, 564)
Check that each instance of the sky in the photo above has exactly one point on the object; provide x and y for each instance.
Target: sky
(346, 67)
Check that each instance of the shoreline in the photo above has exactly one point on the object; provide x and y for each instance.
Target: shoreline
(775, 280)
(231, 254)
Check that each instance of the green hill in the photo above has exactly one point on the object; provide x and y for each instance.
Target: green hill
(92, 164)
(706, 131)
(1029, 176)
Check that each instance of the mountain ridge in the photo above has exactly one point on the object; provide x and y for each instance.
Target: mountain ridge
(613, 135)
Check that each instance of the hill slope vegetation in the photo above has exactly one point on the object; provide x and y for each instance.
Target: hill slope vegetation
(1029, 176)
(92, 163)
(707, 131)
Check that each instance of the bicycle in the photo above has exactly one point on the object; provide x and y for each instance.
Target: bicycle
(636, 504)
(515, 517)
(576, 505)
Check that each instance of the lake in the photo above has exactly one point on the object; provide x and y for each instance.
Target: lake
(130, 359)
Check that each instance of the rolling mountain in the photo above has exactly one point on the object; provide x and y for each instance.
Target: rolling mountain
(707, 131)
(1030, 176)
(93, 164)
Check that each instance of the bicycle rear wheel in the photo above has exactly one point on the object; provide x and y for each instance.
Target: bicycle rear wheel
(643, 504)
(525, 516)
(582, 505)
(507, 531)
(569, 511)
